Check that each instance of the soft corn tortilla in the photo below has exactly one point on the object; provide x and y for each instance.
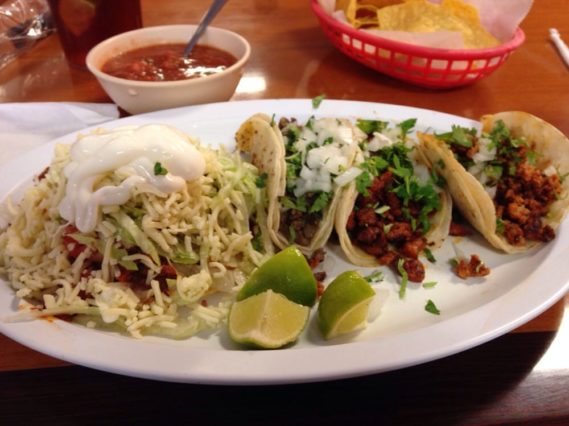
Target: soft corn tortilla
(264, 143)
(468, 193)
(440, 224)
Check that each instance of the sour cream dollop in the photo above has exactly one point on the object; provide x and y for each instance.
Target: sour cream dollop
(130, 152)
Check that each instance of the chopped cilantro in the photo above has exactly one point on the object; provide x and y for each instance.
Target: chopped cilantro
(379, 164)
(310, 146)
(411, 190)
(292, 234)
(159, 170)
(328, 141)
(301, 204)
(507, 147)
(429, 284)
(320, 203)
(404, 277)
(453, 262)
(516, 143)
(292, 133)
(374, 277)
(441, 164)
(289, 204)
(438, 179)
(429, 255)
(532, 157)
(404, 170)
(562, 177)
(371, 126)
(499, 133)
(406, 186)
(493, 171)
(374, 165)
(261, 180)
(257, 243)
(458, 135)
(431, 308)
(363, 181)
(293, 168)
(317, 101)
(310, 123)
(406, 126)
(414, 224)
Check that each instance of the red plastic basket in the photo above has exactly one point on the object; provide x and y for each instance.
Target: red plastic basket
(423, 66)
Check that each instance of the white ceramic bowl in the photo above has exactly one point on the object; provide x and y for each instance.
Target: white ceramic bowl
(142, 96)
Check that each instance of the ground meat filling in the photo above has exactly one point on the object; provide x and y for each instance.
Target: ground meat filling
(314, 261)
(135, 279)
(522, 200)
(43, 174)
(299, 227)
(474, 267)
(524, 193)
(459, 229)
(389, 235)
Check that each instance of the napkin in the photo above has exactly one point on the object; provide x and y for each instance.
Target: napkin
(24, 126)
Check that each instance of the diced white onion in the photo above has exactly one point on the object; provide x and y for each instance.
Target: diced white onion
(550, 170)
(422, 173)
(335, 139)
(485, 153)
(491, 191)
(379, 141)
(348, 176)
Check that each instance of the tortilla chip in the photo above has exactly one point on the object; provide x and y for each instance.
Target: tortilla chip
(378, 4)
(450, 15)
(363, 13)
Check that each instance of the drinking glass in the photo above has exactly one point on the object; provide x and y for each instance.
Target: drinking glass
(82, 24)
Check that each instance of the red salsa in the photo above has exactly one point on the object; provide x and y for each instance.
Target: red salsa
(164, 62)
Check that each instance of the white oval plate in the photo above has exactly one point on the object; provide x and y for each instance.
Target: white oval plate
(519, 287)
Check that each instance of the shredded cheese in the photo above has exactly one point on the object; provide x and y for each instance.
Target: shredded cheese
(205, 225)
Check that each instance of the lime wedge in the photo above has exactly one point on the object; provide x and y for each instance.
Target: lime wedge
(267, 320)
(287, 273)
(344, 306)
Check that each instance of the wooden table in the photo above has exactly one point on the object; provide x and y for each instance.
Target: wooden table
(522, 377)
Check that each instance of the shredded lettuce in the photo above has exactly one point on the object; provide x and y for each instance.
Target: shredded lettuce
(140, 238)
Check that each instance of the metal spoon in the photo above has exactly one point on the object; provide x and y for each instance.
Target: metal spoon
(213, 10)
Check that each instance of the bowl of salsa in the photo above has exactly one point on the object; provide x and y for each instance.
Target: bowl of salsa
(144, 70)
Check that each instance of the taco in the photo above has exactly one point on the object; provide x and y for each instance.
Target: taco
(301, 164)
(509, 180)
(394, 210)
